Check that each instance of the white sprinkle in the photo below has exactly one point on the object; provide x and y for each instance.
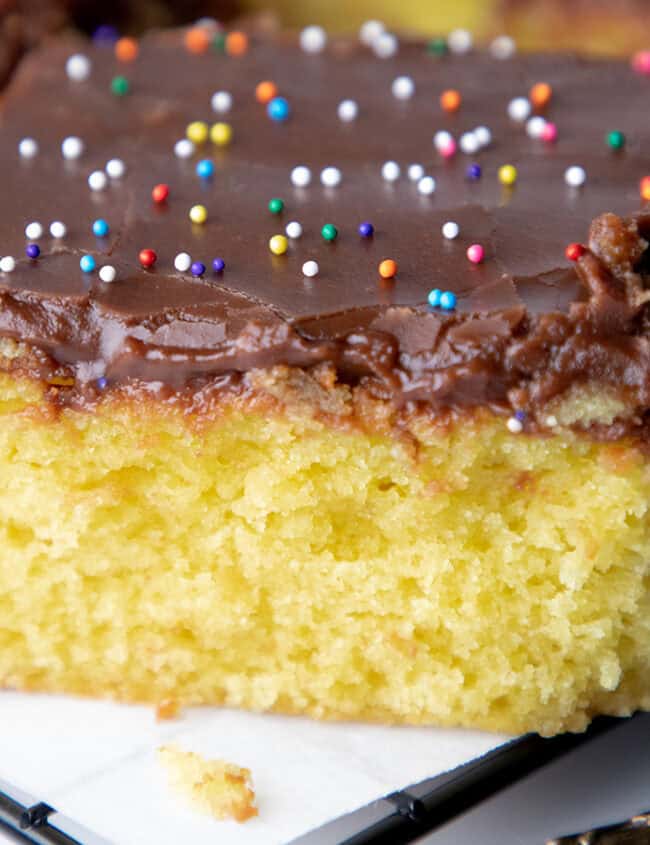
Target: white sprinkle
(460, 41)
(385, 46)
(58, 229)
(575, 176)
(313, 39)
(469, 143)
(390, 171)
(403, 87)
(535, 126)
(107, 273)
(551, 421)
(293, 229)
(415, 172)
(300, 176)
(221, 102)
(28, 148)
(503, 47)
(519, 109)
(515, 426)
(115, 168)
(370, 31)
(72, 147)
(347, 110)
(331, 177)
(310, 269)
(183, 262)
(483, 135)
(78, 67)
(442, 139)
(97, 180)
(184, 148)
(33, 231)
(7, 264)
(426, 185)
(450, 230)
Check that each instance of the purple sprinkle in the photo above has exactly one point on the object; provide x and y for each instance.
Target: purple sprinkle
(105, 35)
(366, 230)
(102, 383)
(520, 415)
(32, 250)
(474, 172)
(218, 265)
(197, 268)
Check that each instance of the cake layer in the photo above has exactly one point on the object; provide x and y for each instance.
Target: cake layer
(300, 548)
(528, 324)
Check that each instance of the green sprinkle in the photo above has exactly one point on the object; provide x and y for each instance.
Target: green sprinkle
(329, 232)
(615, 140)
(120, 86)
(437, 46)
(276, 205)
(219, 42)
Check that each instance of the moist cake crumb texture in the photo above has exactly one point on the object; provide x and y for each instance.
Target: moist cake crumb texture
(221, 789)
(318, 409)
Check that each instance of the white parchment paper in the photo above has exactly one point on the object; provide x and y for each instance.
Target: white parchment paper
(96, 762)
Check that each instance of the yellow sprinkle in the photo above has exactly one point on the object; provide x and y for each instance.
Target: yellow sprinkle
(507, 174)
(221, 134)
(278, 244)
(197, 132)
(198, 214)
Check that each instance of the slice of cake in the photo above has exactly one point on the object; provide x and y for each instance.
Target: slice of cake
(325, 381)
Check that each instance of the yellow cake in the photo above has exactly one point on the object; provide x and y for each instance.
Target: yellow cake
(422, 499)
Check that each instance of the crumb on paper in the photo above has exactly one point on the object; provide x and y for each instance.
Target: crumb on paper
(221, 789)
(168, 708)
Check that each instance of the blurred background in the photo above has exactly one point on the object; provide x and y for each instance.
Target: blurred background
(606, 27)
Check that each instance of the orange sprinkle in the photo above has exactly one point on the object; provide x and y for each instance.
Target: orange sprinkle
(126, 49)
(236, 43)
(644, 188)
(387, 268)
(450, 100)
(540, 94)
(266, 91)
(197, 40)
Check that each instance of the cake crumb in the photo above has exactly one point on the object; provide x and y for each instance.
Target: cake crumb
(224, 790)
(167, 709)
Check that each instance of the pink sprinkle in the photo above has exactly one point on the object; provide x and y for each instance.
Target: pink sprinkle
(641, 62)
(449, 149)
(549, 132)
(475, 253)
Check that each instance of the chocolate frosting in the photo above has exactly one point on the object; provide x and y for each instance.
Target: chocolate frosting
(528, 323)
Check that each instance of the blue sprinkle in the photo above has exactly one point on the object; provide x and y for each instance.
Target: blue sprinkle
(278, 109)
(448, 300)
(366, 230)
(218, 265)
(434, 297)
(205, 169)
(100, 228)
(102, 382)
(197, 268)
(520, 415)
(32, 250)
(87, 263)
(474, 172)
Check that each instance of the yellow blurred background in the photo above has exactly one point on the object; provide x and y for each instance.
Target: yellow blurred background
(601, 26)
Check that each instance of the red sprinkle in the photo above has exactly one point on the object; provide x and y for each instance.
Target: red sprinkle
(574, 251)
(160, 193)
(147, 257)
